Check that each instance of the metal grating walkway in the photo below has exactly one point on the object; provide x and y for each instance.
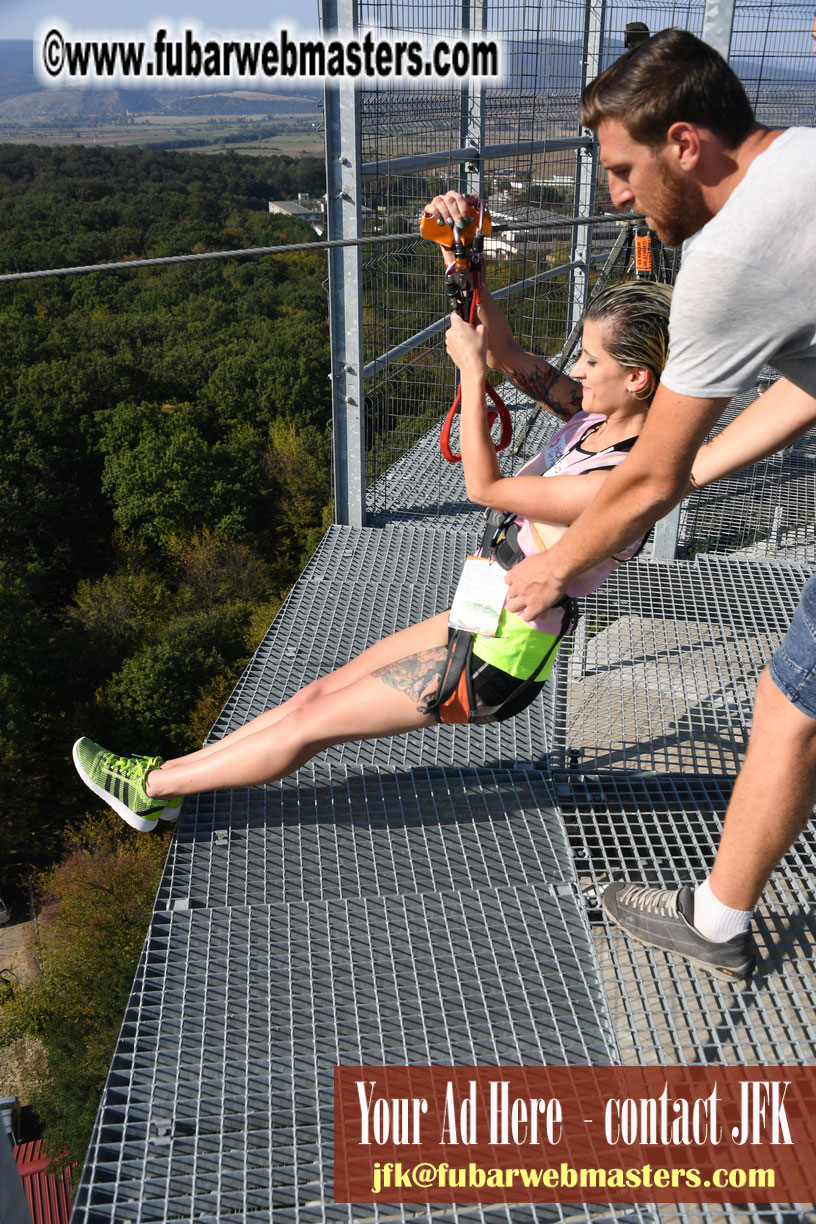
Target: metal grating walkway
(665, 662)
(434, 899)
(427, 831)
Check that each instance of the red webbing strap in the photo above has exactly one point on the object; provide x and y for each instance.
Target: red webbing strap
(500, 413)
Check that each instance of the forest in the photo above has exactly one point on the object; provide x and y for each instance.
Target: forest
(164, 453)
(164, 474)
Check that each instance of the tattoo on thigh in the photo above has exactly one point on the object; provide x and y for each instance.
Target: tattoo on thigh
(419, 675)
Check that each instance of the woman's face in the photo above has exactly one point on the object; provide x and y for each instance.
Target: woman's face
(606, 385)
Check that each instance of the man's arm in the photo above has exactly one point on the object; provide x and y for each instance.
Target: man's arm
(769, 423)
(644, 487)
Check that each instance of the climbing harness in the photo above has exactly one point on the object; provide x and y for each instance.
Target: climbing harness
(506, 540)
(456, 701)
(464, 278)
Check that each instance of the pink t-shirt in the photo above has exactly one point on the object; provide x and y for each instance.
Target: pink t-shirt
(564, 456)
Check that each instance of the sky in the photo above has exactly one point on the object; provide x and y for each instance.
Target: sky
(20, 18)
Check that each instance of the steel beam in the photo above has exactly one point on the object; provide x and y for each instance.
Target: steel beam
(586, 160)
(718, 22)
(344, 221)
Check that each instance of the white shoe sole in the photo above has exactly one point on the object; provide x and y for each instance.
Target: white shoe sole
(121, 809)
(170, 813)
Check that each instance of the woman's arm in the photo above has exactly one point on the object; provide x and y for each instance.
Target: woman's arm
(533, 375)
(771, 422)
(558, 499)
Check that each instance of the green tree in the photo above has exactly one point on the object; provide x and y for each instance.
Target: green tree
(299, 463)
(165, 478)
(145, 475)
(96, 905)
(150, 697)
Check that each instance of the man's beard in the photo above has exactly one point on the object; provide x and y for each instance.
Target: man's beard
(678, 209)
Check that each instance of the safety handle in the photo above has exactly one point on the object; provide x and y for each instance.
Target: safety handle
(500, 413)
(448, 235)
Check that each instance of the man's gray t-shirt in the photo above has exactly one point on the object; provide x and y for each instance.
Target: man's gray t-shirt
(746, 291)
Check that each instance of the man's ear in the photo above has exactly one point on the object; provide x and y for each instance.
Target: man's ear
(684, 145)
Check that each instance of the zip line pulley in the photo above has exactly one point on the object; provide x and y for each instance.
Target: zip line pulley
(464, 278)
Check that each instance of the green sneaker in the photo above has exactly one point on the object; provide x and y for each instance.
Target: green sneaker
(171, 810)
(172, 807)
(120, 782)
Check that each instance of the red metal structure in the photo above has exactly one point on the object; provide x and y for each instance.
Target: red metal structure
(48, 1195)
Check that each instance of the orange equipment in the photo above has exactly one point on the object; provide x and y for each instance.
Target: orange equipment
(464, 277)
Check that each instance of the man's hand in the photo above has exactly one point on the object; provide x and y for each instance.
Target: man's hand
(532, 587)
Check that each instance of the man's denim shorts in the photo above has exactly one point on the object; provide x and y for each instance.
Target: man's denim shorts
(793, 667)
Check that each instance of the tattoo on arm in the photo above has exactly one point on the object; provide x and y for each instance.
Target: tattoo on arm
(540, 383)
(418, 675)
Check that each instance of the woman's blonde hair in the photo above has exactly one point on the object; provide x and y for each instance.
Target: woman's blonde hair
(635, 319)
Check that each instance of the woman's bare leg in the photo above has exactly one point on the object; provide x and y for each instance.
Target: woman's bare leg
(279, 741)
(390, 701)
(405, 642)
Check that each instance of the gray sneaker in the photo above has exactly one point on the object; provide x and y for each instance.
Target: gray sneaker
(661, 918)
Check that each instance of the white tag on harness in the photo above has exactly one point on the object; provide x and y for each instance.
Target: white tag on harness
(479, 597)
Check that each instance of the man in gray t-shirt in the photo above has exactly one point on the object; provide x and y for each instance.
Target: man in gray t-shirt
(746, 292)
(680, 143)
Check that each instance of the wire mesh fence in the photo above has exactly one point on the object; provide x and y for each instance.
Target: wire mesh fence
(521, 147)
(772, 53)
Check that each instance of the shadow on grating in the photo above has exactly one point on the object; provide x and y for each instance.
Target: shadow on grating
(663, 829)
(666, 1013)
(425, 831)
(329, 619)
(664, 663)
(220, 1095)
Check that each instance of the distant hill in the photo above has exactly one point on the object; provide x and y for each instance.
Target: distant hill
(237, 102)
(22, 99)
(544, 65)
(16, 68)
(44, 105)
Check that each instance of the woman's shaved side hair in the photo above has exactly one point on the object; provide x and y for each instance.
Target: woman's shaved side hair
(671, 77)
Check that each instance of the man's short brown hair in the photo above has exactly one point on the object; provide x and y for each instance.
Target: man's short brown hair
(672, 77)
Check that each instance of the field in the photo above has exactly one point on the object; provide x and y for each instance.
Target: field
(293, 135)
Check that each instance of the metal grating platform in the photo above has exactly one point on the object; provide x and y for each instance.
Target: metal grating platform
(422, 832)
(660, 828)
(665, 661)
(435, 898)
(663, 829)
(219, 1100)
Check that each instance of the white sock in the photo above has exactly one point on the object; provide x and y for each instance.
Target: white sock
(714, 920)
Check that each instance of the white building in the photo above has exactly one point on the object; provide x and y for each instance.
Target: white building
(313, 212)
